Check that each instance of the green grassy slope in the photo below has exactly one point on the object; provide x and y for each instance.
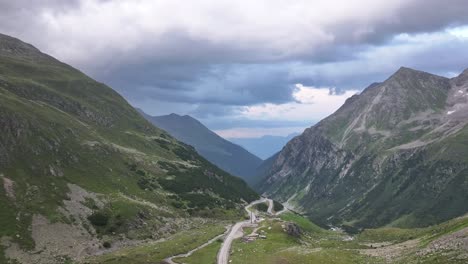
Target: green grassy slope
(443, 243)
(59, 127)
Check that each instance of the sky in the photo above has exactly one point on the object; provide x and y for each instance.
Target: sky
(245, 68)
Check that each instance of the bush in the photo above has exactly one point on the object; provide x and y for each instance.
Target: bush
(147, 184)
(99, 219)
(162, 143)
(182, 153)
(106, 244)
(132, 167)
(177, 204)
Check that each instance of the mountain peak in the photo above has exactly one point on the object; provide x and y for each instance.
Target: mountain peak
(464, 73)
(10, 46)
(405, 72)
(174, 115)
(221, 152)
(461, 79)
(406, 69)
(407, 78)
(184, 118)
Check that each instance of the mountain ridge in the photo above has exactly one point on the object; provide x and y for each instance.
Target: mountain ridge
(265, 146)
(82, 171)
(221, 152)
(345, 168)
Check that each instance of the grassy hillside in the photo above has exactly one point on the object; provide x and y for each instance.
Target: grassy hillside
(443, 243)
(75, 157)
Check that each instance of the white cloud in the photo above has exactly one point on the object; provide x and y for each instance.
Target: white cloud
(274, 28)
(311, 104)
(460, 32)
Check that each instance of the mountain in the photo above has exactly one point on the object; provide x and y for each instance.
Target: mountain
(396, 154)
(83, 172)
(264, 147)
(226, 155)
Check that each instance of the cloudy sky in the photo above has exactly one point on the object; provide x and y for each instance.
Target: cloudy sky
(245, 68)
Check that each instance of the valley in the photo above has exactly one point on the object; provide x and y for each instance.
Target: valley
(88, 179)
(290, 238)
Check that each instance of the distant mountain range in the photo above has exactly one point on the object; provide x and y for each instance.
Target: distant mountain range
(221, 152)
(264, 147)
(396, 154)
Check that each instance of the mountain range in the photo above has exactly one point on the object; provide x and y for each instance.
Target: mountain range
(394, 155)
(87, 178)
(221, 152)
(265, 146)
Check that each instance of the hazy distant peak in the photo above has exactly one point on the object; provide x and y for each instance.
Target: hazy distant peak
(214, 148)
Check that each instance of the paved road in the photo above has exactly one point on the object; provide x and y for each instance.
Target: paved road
(235, 232)
(170, 260)
(270, 206)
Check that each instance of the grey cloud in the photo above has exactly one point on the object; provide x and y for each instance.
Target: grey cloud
(184, 70)
(179, 45)
(238, 84)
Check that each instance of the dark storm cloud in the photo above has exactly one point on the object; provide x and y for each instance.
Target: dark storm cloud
(412, 17)
(438, 53)
(213, 58)
(179, 43)
(237, 84)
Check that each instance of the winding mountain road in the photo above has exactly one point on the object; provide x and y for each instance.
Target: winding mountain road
(235, 232)
(170, 260)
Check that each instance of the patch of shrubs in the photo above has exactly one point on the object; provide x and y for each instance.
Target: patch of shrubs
(262, 207)
(132, 167)
(106, 244)
(199, 200)
(351, 229)
(170, 167)
(99, 219)
(162, 143)
(178, 204)
(277, 206)
(147, 183)
(141, 172)
(183, 153)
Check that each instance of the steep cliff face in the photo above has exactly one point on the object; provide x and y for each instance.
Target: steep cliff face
(395, 154)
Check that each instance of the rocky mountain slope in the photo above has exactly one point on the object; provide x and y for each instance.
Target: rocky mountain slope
(396, 154)
(82, 173)
(221, 152)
